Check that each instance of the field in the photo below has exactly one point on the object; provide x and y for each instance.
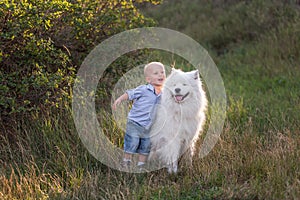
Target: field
(256, 47)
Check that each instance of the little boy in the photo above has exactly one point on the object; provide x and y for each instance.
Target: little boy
(139, 120)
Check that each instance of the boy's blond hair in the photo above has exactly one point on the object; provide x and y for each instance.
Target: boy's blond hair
(149, 65)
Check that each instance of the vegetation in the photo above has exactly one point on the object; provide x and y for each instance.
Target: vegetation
(255, 45)
(43, 44)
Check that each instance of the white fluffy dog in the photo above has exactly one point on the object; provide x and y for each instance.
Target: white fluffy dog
(179, 119)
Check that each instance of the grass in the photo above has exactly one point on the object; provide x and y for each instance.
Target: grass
(243, 165)
(257, 156)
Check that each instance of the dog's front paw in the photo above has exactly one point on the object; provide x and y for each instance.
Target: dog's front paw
(173, 168)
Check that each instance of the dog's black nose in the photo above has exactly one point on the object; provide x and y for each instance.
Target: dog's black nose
(177, 90)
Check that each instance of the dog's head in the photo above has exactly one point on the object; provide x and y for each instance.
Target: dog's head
(181, 85)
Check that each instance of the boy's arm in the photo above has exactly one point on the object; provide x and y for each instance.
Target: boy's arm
(119, 100)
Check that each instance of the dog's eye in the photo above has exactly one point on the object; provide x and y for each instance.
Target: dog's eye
(184, 84)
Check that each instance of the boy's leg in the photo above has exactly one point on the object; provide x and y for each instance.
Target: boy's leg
(131, 141)
(126, 160)
(144, 150)
(130, 145)
(127, 156)
(142, 159)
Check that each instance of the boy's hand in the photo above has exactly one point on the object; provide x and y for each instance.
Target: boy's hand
(116, 103)
(119, 100)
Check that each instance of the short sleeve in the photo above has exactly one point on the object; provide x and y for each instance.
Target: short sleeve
(135, 93)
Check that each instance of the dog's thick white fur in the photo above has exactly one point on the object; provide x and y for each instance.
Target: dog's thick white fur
(179, 118)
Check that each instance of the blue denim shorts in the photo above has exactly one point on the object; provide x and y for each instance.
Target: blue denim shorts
(136, 139)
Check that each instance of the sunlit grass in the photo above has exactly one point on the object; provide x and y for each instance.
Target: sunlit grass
(242, 165)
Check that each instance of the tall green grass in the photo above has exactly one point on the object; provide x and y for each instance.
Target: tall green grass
(49, 162)
(257, 155)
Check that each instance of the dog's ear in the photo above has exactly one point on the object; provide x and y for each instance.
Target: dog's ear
(194, 74)
(175, 70)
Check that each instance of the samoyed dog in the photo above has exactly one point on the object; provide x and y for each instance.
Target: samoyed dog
(178, 120)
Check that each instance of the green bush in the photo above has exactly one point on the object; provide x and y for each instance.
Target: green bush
(43, 44)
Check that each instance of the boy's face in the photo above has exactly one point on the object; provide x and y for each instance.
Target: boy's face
(155, 75)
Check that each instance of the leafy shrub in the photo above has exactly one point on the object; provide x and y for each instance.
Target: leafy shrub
(43, 43)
